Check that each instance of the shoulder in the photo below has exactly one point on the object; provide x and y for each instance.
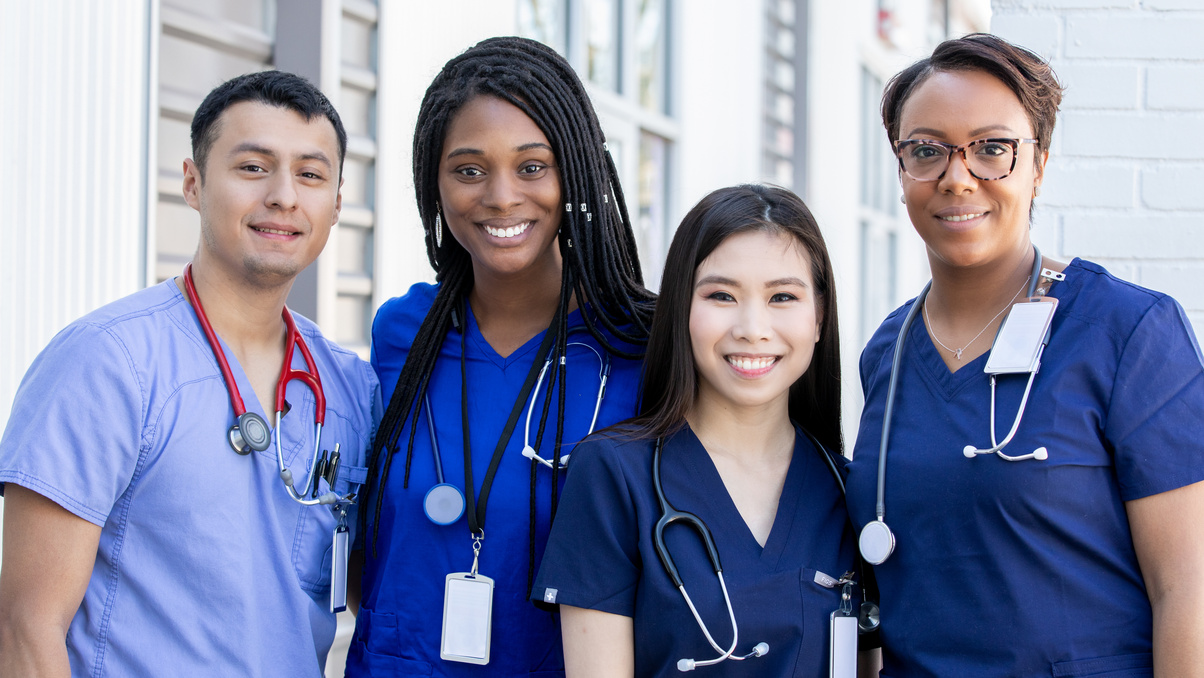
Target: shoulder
(1092, 295)
(121, 328)
(612, 451)
(346, 362)
(409, 309)
(881, 344)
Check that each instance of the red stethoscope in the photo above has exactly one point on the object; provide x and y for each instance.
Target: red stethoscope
(250, 432)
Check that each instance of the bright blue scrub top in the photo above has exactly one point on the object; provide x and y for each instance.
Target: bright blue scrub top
(205, 567)
(600, 556)
(400, 621)
(1028, 568)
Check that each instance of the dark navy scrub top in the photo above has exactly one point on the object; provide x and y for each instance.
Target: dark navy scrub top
(600, 556)
(1028, 568)
(400, 621)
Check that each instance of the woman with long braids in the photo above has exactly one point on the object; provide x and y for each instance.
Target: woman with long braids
(528, 341)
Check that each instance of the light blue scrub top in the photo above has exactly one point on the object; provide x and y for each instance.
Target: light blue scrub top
(206, 567)
(1028, 568)
(400, 621)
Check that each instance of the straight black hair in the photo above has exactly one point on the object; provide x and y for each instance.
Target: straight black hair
(670, 376)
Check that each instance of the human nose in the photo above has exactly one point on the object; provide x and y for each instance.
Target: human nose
(753, 323)
(502, 191)
(282, 193)
(957, 177)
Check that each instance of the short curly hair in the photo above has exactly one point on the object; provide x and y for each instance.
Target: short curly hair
(1024, 72)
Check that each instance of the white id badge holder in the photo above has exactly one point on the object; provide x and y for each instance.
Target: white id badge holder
(842, 645)
(1022, 337)
(467, 618)
(339, 553)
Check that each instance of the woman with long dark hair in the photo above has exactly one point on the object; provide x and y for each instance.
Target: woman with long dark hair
(740, 427)
(493, 373)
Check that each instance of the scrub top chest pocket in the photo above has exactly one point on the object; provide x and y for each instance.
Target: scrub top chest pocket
(312, 545)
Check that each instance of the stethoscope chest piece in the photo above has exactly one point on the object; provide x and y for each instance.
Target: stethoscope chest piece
(877, 542)
(250, 434)
(443, 504)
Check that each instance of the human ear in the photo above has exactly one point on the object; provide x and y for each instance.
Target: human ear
(192, 184)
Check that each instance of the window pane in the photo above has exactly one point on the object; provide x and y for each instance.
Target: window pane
(356, 109)
(253, 13)
(651, 227)
(602, 43)
(545, 21)
(651, 39)
(357, 44)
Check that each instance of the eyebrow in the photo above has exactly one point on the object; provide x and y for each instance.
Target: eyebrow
(252, 147)
(974, 133)
(519, 149)
(721, 280)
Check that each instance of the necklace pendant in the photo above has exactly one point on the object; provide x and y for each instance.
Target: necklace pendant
(958, 352)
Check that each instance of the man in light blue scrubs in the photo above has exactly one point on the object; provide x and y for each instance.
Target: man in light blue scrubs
(137, 542)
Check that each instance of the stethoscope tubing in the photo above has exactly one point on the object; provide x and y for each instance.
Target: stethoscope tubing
(877, 532)
(293, 341)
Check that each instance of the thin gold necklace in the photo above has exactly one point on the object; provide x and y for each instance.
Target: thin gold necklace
(957, 352)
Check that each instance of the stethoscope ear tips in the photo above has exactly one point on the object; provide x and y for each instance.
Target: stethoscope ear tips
(684, 665)
(1041, 454)
(970, 451)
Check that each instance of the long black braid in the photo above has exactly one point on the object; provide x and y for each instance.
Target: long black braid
(596, 240)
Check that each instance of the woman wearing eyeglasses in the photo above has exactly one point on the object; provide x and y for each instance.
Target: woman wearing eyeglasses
(1037, 526)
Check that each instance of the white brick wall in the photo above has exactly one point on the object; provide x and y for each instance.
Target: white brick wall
(1125, 181)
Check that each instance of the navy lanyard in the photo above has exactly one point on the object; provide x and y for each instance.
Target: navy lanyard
(476, 512)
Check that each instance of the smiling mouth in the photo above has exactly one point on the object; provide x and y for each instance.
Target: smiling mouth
(962, 217)
(273, 231)
(508, 232)
(745, 364)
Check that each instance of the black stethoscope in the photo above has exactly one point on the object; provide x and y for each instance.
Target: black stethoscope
(250, 433)
(877, 541)
(868, 621)
(444, 502)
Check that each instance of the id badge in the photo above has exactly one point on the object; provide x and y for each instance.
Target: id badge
(842, 650)
(467, 618)
(338, 569)
(1025, 330)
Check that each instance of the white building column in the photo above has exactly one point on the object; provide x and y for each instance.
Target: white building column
(74, 127)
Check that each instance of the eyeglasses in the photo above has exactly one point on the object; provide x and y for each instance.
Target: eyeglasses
(987, 159)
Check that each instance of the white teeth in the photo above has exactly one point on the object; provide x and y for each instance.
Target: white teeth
(271, 230)
(964, 217)
(507, 232)
(749, 364)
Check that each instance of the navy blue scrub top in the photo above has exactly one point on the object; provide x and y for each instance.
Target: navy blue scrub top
(400, 621)
(600, 556)
(1028, 568)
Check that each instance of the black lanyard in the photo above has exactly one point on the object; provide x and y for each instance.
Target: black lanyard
(476, 513)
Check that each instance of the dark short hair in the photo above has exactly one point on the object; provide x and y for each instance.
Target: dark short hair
(670, 376)
(1024, 72)
(274, 88)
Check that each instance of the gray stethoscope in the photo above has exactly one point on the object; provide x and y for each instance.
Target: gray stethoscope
(444, 502)
(867, 622)
(877, 541)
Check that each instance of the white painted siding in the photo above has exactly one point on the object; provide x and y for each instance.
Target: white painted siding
(73, 182)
